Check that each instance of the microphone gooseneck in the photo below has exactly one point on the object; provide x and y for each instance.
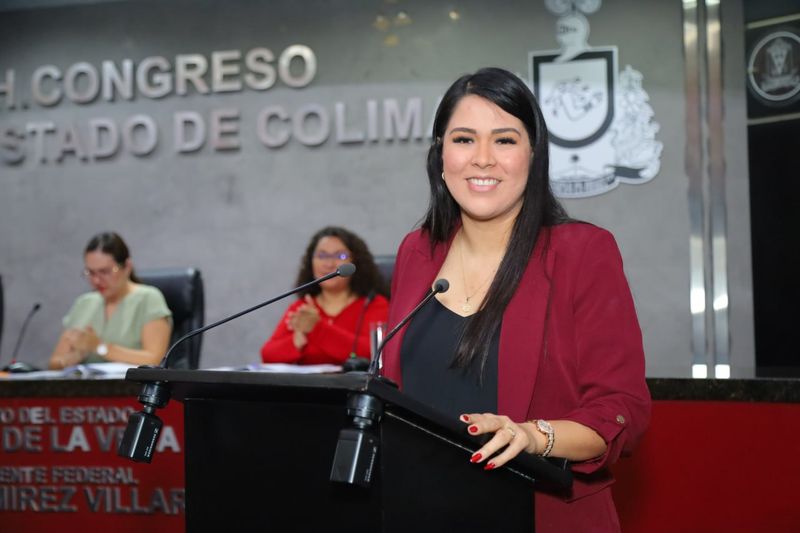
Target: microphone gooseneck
(143, 427)
(358, 445)
(345, 270)
(32, 312)
(439, 286)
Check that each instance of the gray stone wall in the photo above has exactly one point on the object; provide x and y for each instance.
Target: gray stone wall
(242, 210)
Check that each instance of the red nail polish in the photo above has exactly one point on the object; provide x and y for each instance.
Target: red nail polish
(473, 429)
(475, 458)
(465, 418)
(489, 466)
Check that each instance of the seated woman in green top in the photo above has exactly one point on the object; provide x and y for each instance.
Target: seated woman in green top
(121, 320)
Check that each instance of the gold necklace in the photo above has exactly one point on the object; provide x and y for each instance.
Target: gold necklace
(466, 307)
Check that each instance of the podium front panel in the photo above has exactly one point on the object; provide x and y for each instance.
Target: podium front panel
(250, 465)
(260, 448)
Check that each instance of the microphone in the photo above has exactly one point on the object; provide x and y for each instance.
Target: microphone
(13, 366)
(353, 362)
(439, 286)
(357, 447)
(141, 433)
(346, 270)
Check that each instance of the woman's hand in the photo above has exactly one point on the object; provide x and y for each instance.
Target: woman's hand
(304, 318)
(67, 352)
(82, 341)
(510, 438)
(299, 339)
(91, 340)
(572, 440)
(72, 338)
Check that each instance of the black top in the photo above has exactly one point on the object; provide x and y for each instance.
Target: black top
(428, 348)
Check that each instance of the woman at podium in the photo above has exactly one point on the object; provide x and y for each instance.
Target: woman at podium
(120, 320)
(330, 322)
(536, 343)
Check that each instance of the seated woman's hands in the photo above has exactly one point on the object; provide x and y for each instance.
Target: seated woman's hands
(302, 321)
(83, 341)
(79, 343)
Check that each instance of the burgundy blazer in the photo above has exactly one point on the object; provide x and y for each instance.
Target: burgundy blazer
(570, 349)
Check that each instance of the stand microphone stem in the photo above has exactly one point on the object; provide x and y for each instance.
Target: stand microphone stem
(141, 433)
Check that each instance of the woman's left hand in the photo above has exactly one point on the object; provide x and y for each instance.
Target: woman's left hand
(510, 438)
(299, 339)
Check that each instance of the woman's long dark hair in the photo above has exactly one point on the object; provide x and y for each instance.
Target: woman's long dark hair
(367, 277)
(540, 209)
(112, 244)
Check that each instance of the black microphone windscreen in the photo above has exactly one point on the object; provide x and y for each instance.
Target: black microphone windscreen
(441, 285)
(346, 270)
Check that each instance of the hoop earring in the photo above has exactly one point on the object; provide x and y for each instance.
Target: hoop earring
(443, 176)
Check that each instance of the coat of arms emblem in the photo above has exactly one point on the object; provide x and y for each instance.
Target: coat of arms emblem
(773, 69)
(600, 122)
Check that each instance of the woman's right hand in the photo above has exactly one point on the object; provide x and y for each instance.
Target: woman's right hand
(74, 338)
(304, 318)
(82, 341)
(301, 321)
(68, 352)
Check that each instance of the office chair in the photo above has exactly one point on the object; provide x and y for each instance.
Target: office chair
(183, 290)
(385, 264)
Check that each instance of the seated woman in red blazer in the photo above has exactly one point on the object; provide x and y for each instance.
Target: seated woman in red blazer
(329, 323)
(536, 343)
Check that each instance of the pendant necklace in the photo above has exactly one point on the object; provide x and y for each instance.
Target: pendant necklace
(466, 307)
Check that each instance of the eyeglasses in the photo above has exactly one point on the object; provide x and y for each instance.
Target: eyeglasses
(336, 256)
(100, 272)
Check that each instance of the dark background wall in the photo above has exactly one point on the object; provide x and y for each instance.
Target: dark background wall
(773, 141)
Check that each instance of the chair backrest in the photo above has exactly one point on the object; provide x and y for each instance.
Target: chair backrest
(385, 264)
(183, 290)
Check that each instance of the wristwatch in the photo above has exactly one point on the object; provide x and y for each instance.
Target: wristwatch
(544, 427)
(102, 349)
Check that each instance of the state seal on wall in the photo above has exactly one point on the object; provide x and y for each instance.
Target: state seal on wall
(601, 126)
(773, 68)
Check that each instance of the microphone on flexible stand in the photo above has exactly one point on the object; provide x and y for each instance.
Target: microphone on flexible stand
(143, 427)
(357, 447)
(439, 286)
(346, 270)
(354, 362)
(18, 366)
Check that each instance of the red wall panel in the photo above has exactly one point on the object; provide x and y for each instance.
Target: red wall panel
(713, 466)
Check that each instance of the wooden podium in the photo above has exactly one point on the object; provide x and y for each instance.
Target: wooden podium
(260, 451)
